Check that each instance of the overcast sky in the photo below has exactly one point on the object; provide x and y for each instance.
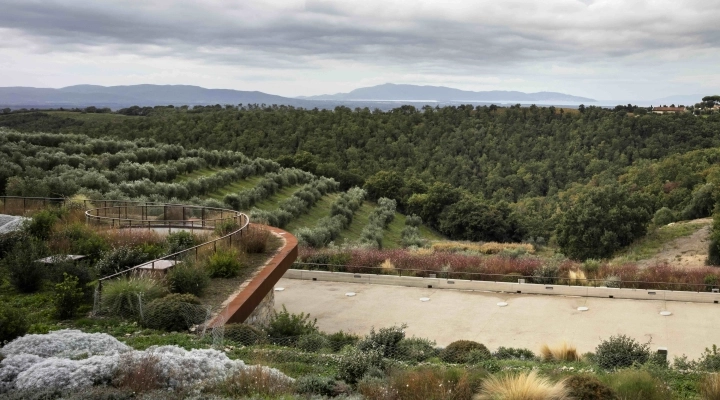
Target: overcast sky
(604, 49)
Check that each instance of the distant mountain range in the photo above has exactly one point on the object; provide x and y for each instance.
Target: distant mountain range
(393, 92)
(385, 97)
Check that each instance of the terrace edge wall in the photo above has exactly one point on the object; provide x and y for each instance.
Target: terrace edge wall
(523, 288)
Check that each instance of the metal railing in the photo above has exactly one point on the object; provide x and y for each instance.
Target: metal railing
(149, 215)
(509, 278)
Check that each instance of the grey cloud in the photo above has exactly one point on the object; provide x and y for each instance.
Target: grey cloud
(273, 37)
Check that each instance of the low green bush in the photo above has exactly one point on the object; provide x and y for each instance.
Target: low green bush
(224, 263)
(621, 351)
(187, 277)
(244, 334)
(338, 340)
(285, 328)
(26, 274)
(226, 226)
(68, 297)
(588, 387)
(710, 359)
(41, 224)
(354, 363)
(415, 349)
(511, 353)
(178, 241)
(384, 340)
(316, 385)
(120, 259)
(633, 384)
(80, 270)
(313, 342)
(174, 313)
(13, 323)
(122, 297)
(458, 352)
(663, 217)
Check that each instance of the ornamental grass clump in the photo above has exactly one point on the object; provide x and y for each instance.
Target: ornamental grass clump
(225, 263)
(588, 387)
(188, 277)
(562, 352)
(632, 384)
(255, 239)
(257, 382)
(710, 387)
(124, 297)
(523, 386)
(12, 323)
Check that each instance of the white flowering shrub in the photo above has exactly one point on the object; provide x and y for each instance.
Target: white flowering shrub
(12, 366)
(66, 343)
(63, 373)
(55, 361)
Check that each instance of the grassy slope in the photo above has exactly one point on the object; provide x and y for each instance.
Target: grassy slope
(197, 174)
(235, 187)
(273, 201)
(319, 210)
(654, 241)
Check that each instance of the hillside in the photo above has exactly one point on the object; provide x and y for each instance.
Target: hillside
(65, 165)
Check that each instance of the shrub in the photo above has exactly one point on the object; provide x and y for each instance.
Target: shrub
(257, 382)
(26, 274)
(522, 387)
(354, 363)
(638, 385)
(710, 387)
(415, 349)
(244, 334)
(710, 359)
(340, 339)
(591, 266)
(510, 353)
(68, 297)
(385, 340)
(122, 297)
(12, 323)
(41, 224)
(178, 241)
(226, 226)
(621, 351)
(255, 239)
(562, 352)
(313, 342)
(224, 263)
(120, 259)
(79, 270)
(588, 387)
(187, 277)
(546, 275)
(317, 385)
(434, 383)
(286, 327)
(458, 352)
(174, 312)
(141, 373)
(663, 217)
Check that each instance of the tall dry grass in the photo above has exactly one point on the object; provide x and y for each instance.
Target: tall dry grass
(710, 387)
(255, 239)
(484, 248)
(256, 381)
(140, 375)
(131, 237)
(524, 386)
(561, 352)
(577, 277)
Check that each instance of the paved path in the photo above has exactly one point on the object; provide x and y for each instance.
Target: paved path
(528, 321)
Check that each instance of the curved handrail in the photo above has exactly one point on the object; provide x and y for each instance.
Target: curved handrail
(242, 219)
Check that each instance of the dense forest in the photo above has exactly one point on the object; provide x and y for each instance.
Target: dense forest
(476, 173)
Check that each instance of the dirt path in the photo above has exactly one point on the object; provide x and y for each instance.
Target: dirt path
(689, 251)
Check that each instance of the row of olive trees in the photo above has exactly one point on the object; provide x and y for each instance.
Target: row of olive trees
(299, 203)
(372, 234)
(268, 186)
(329, 228)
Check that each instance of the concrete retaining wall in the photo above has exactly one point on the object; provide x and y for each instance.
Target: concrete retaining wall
(525, 288)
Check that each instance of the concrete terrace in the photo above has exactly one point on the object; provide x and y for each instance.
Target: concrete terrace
(527, 321)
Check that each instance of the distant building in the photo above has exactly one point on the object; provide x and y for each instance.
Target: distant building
(668, 110)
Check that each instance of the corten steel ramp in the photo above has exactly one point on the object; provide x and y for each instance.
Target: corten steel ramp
(245, 302)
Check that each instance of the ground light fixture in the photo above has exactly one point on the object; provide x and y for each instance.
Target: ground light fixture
(424, 299)
(665, 313)
(279, 289)
(582, 308)
(350, 294)
(502, 304)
